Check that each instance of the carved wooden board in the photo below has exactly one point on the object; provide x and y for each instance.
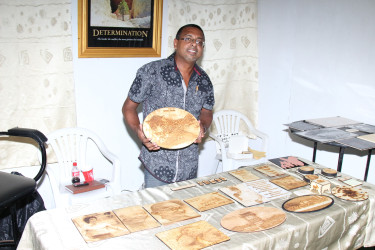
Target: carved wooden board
(135, 218)
(253, 219)
(244, 195)
(268, 189)
(171, 211)
(208, 201)
(193, 236)
(350, 193)
(307, 203)
(244, 175)
(289, 182)
(171, 128)
(99, 226)
(270, 171)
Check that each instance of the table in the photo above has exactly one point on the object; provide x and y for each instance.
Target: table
(344, 225)
(298, 127)
(341, 152)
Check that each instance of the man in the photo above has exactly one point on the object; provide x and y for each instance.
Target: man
(173, 82)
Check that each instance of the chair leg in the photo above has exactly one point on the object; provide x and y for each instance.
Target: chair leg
(219, 167)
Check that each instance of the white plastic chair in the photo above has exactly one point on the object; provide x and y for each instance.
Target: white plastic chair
(87, 149)
(228, 125)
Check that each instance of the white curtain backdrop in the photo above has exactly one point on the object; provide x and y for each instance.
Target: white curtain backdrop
(231, 52)
(36, 72)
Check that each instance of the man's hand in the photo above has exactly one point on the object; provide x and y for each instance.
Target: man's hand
(129, 110)
(201, 133)
(205, 120)
(146, 141)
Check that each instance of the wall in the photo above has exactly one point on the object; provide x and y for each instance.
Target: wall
(101, 86)
(316, 59)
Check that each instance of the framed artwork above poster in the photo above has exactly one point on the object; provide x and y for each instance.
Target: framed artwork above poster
(119, 28)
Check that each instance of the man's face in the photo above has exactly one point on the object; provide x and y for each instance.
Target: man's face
(190, 51)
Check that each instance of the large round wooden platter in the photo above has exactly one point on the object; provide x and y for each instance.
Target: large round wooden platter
(253, 219)
(307, 203)
(349, 193)
(171, 128)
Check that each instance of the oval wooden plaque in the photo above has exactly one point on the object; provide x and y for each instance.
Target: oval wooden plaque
(171, 128)
(307, 203)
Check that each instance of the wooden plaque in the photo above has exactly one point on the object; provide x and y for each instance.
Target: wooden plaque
(244, 195)
(135, 218)
(171, 211)
(289, 182)
(99, 226)
(307, 203)
(171, 128)
(253, 219)
(270, 171)
(193, 236)
(208, 201)
(350, 193)
(244, 175)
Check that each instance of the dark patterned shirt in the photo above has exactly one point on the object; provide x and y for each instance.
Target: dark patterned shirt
(157, 85)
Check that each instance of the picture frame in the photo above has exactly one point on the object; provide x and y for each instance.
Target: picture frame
(125, 32)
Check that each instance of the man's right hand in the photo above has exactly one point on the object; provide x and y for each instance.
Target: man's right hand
(146, 141)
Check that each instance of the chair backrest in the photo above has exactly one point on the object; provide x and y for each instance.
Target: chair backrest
(227, 124)
(71, 145)
(37, 136)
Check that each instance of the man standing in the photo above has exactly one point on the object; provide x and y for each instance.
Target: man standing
(173, 82)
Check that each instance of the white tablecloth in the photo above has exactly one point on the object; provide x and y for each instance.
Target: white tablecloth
(344, 225)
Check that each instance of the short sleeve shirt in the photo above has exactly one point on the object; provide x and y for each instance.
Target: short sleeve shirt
(158, 84)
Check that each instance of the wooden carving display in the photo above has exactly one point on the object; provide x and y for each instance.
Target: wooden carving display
(307, 203)
(289, 182)
(349, 193)
(193, 236)
(268, 189)
(244, 195)
(244, 175)
(171, 211)
(135, 218)
(270, 171)
(253, 219)
(99, 226)
(171, 128)
(208, 201)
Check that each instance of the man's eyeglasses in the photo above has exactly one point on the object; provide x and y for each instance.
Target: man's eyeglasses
(197, 41)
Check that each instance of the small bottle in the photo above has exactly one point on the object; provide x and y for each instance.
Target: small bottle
(75, 173)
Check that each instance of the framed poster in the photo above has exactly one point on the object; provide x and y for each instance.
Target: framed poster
(119, 28)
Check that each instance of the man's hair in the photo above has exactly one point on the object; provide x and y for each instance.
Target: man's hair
(188, 26)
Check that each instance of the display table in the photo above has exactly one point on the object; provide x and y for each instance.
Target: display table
(337, 132)
(343, 225)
